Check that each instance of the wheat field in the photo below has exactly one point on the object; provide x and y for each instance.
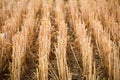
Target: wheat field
(59, 39)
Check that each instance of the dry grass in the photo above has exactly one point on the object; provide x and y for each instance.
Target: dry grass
(59, 39)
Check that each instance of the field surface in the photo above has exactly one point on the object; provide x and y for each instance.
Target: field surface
(59, 39)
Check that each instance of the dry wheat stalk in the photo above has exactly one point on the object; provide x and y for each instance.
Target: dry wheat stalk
(18, 55)
(11, 25)
(4, 49)
(21, 45)
(61, 41)
(44, 48)
(83, 40)
(85, 7)
(1, 38)
(107, 46)
(1, 46)
(116, 58)
(73, 9)
(44, 41)
(29, 24)
(107, 50)
(4, 11)
(86, 49)
(108, 20)
(29, 21)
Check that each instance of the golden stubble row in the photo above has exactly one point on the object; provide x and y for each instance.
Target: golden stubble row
(61, 54)
(44, 41)
(23, 40)
(84, 41)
